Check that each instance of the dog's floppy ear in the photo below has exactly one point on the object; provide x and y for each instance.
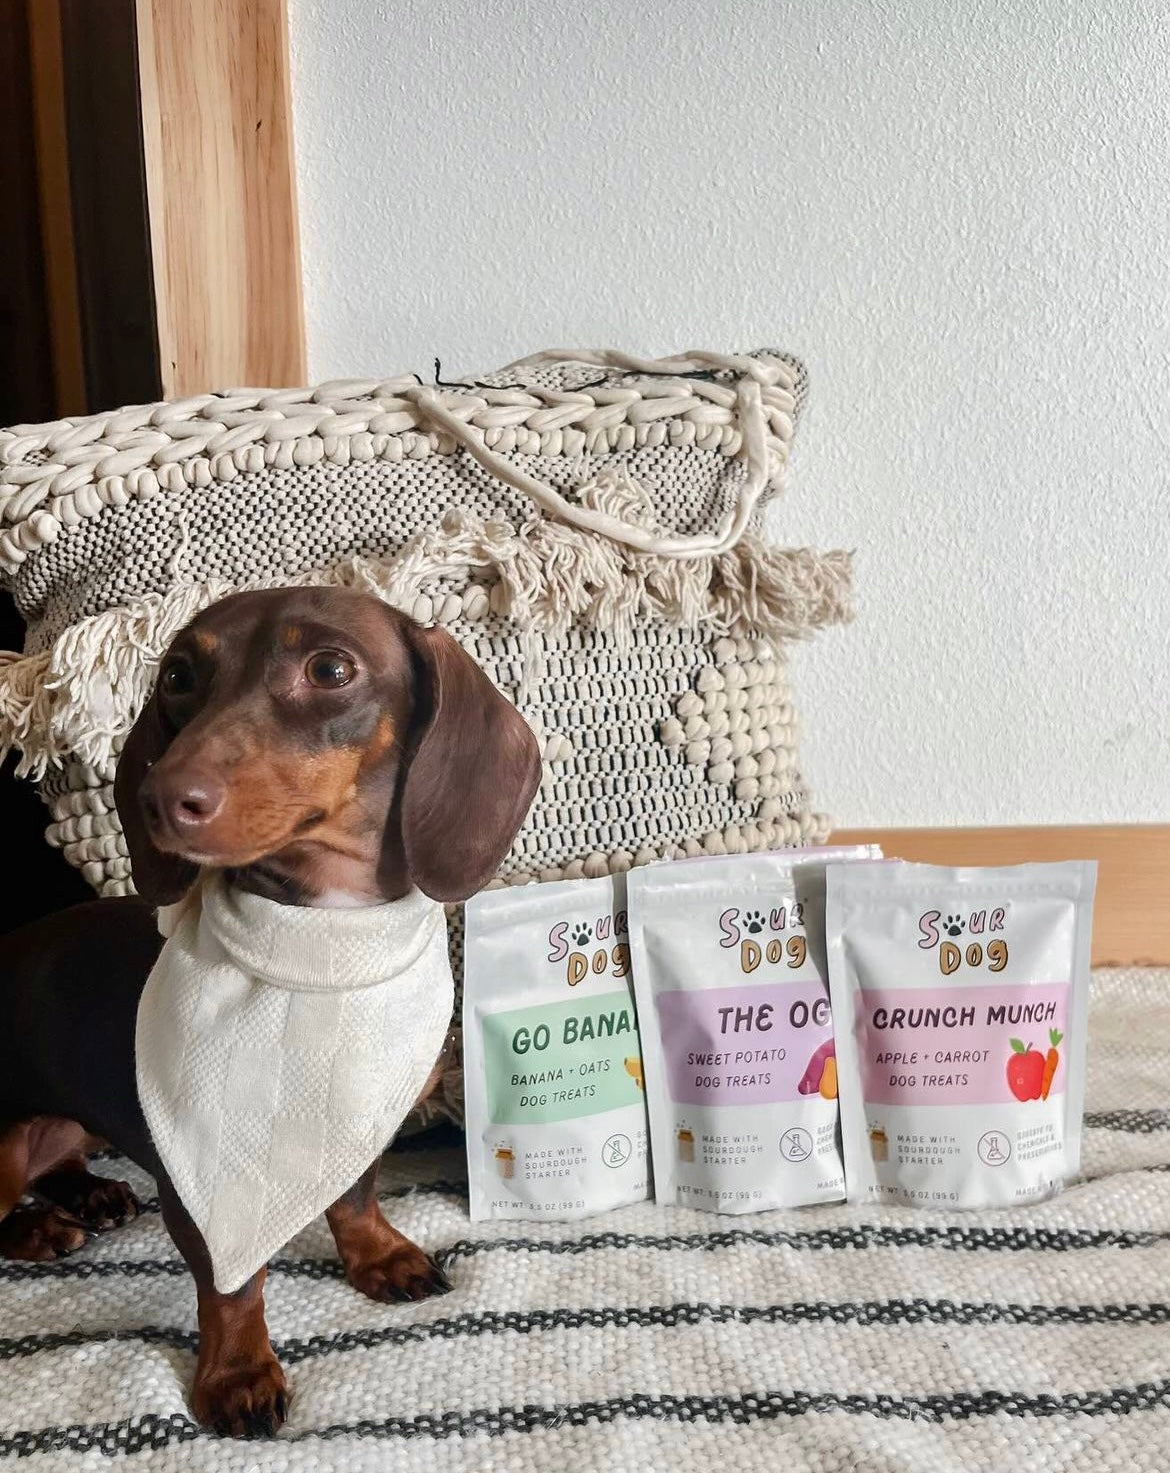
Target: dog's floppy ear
(472, 776)
(158, 877)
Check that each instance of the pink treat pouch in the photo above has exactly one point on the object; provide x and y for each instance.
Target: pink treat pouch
(960, 998)
(737, 1033)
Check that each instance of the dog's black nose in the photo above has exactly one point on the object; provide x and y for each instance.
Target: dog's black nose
(182, 803)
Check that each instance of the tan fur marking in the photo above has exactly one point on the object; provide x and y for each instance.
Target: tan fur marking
(271, 793)
(382, 740)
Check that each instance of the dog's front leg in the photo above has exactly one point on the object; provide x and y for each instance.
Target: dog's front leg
(379, 1261)
(240, 1389)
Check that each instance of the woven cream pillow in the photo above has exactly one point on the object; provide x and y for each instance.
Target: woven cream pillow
(587, 524)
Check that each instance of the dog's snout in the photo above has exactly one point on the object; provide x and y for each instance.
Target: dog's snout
(182, 803)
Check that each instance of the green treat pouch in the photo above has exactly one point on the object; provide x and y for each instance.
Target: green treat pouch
(555, 1098)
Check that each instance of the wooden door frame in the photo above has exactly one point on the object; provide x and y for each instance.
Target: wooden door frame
(166, 196)
(221, 190)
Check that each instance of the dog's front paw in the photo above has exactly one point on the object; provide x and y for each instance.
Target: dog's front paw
(404, 1274)
(251, 1401)
(40, 1234)
(96, 1201)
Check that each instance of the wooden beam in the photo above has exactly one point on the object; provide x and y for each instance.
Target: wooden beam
(1131, 918)
(217, 136)
(47, 65)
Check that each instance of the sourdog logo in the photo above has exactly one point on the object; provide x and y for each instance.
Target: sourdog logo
(593, 944)
(954, 933)
(771, 936)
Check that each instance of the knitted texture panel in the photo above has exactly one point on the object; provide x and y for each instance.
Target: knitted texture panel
(586, 524)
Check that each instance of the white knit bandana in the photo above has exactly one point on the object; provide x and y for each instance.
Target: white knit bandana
(278, 1050)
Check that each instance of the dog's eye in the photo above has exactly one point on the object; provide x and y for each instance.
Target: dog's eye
(178, 677)
(329, 669)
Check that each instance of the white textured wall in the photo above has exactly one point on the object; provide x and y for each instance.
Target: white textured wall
(960, 216)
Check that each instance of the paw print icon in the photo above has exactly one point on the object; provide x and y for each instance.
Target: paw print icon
(753, 922)
(953, 925)
(582, 934)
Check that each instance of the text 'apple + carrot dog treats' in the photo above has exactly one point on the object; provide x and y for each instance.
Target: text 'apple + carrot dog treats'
(556, 1108)
(737, 1030)
(960, 999)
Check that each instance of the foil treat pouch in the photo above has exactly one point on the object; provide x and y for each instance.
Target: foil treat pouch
(737, 1029)
(960, 998)
(555, 1103)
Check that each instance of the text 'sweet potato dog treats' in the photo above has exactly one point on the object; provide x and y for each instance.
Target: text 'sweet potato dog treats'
(741, 1077)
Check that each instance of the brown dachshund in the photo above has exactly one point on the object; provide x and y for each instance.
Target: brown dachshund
(321, 749)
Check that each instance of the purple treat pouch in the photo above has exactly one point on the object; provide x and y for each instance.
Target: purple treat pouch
(737, 1033)
(960, 998)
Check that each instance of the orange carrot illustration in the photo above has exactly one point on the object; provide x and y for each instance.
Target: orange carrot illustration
(1052, 1059)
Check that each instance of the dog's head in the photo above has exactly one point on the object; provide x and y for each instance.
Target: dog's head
(321, 741)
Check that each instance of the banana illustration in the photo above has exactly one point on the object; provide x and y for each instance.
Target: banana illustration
(634, 1070)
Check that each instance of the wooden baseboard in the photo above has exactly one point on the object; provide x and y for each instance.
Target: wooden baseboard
(1131, 918)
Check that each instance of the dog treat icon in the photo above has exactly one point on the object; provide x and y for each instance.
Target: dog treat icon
(634, 1070)
(879, 1143)
(505, 1162)
(686, 1144)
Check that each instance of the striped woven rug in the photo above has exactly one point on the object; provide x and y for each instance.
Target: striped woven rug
(827, 1340)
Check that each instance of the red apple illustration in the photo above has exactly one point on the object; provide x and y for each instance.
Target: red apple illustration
(1025, 1071)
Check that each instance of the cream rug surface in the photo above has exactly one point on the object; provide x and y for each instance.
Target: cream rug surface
(826, 1339)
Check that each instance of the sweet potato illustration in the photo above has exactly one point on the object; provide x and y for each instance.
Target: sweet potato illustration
(828, 1084)
(811, 1079)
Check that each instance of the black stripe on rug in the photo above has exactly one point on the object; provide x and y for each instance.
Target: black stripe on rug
(883, 1312)
(960, 1239)
(862, 1235)
(154, 1432)
(1136, 1122)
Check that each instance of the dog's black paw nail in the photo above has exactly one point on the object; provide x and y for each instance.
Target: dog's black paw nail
(439, 1282)
(263, 1424)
